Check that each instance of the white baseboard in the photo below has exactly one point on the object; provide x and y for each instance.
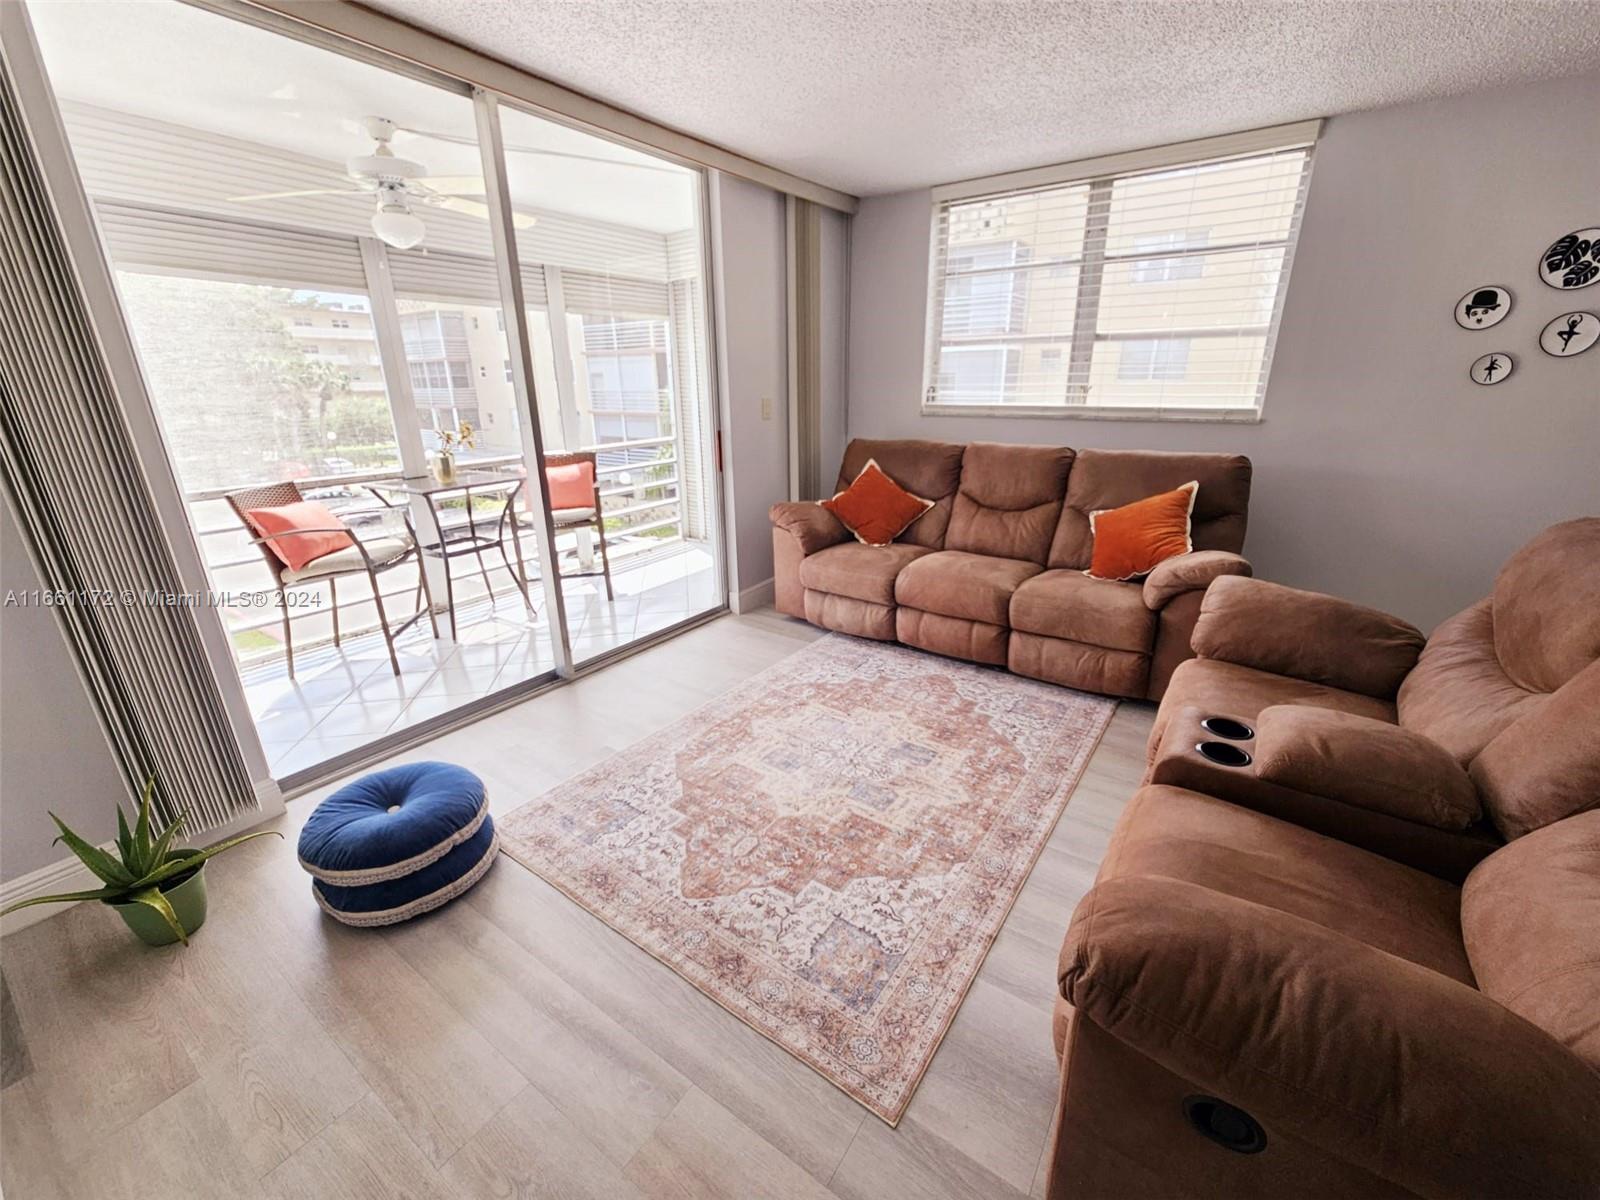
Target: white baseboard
(68, 875)
(760, 595)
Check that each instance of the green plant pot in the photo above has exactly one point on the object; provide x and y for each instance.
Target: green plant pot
(186, 894)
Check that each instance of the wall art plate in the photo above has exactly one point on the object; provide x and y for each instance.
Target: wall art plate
(1570, 334)
(1483, 307)
(1493, 368)
(1572, 261)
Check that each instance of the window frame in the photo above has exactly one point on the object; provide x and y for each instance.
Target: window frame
(1100, 174)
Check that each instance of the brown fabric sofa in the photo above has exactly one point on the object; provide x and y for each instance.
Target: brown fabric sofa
(1250, 1009)
(994, 571)
(1434, 751)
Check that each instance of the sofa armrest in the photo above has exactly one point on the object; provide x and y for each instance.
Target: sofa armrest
(1307, 635)
(1320, 1037)
(813, 526)
(1365, 762)
(1192, 572)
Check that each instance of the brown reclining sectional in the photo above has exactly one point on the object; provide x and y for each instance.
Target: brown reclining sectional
(1372, 967)
(993, 572)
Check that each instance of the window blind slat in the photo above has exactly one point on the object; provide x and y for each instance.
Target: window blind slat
(1157, 289)
(156, 240)
(597, 292)
(442, 275)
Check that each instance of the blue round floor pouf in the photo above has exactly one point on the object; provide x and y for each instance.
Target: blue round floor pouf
(399, 842)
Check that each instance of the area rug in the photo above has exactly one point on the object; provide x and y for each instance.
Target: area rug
(829, 849)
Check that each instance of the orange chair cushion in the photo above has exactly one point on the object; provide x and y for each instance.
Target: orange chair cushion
(571, 486)
(1129, 541)
(875, 508)
(303, 548)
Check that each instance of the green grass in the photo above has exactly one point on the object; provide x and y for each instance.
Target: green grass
(253, 641)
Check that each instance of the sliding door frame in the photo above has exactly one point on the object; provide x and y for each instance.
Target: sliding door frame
(519, 344)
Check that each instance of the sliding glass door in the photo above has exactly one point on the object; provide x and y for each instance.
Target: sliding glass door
(304, 247)
(628, 415)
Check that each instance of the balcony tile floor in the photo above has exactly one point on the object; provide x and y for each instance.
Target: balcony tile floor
(345, 697)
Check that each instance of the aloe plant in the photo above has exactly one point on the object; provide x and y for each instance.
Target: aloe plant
(144, 861)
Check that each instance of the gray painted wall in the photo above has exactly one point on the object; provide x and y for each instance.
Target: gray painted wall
(53, 755)
(1382, 472)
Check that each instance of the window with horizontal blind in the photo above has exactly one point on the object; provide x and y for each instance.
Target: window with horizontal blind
(1142, 285)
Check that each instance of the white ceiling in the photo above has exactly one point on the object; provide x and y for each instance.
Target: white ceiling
(879, 95)
(177, 64)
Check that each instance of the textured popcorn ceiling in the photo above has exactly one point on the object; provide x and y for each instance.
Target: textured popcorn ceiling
(878, 95)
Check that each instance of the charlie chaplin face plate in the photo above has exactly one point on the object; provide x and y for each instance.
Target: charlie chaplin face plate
(1483, 307)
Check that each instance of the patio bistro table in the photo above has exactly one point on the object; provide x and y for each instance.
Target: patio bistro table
(475, 536)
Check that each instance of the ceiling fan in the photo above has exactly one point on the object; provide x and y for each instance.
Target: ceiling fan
(396, 184)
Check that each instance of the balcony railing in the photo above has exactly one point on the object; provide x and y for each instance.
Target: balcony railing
(642, 515)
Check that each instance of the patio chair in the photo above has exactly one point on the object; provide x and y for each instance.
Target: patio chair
(372, 558)
(567, 519)
(578, 518)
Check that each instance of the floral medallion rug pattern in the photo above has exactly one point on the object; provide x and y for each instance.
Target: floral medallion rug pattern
(828, 850)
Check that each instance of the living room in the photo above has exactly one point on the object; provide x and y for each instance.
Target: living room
(1052, 648)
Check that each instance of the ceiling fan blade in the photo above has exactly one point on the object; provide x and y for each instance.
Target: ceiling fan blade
(309, 192)
(454, 185)
(476, 208)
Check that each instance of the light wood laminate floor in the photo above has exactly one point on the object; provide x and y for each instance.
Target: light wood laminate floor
(510, 1044)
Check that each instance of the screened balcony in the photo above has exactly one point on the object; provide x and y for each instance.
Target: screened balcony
(317, 286)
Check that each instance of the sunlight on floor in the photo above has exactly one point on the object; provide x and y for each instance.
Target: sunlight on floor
(343, 698)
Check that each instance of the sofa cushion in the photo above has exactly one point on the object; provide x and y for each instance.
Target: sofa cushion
(1071, 605)
(954, 583)
(1177, 834)
(958, 637)
(1546, 620)
(1111, 478)
(861, 572)
(931, 470)
(1546, 765)
(1231, 690)
(846, 614)
(1458, 695)
(1530, 914)
(1009, 500)
(1076, 665)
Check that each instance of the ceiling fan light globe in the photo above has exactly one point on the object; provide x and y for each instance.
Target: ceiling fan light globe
(398, 227)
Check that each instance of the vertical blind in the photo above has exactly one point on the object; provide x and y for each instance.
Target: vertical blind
(85, 510)
(1153, 290)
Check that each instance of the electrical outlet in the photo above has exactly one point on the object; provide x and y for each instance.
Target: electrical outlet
(766, 408)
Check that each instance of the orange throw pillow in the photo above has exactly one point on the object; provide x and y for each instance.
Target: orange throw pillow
(1129, 541)
(296, 552)
(875, 508)
(571, 486)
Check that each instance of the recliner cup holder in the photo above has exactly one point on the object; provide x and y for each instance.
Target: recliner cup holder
(1227, 727)
(1225, 754)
